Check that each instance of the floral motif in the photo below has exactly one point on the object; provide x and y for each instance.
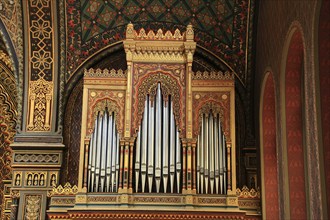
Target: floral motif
(32, 207)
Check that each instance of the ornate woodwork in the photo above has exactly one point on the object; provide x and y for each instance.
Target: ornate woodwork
(159, 73)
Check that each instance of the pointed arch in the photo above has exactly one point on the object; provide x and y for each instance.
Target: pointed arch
(268, 151)
(292, 119)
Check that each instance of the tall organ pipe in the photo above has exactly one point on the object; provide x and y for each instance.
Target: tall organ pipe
(144, 143)
(103, 163)
(158, 141)
(109, 154)
(98, 155)
(160, 147)
(165, 145)
(137, 159)
(151, 143)
(211, 156)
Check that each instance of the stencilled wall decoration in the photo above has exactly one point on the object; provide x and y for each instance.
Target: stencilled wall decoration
(8, 118)
(220, 26)
(9, 14)
(41, 66)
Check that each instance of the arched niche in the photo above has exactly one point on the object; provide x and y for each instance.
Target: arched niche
(269, 166)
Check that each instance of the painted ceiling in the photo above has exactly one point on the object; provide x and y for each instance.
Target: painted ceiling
(221, 26)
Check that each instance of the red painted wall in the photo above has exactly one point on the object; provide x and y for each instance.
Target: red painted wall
(269, 147)
(324, 62)
(294, 123)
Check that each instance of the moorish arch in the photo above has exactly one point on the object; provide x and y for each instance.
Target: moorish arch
(293, 123)
(8, 119)
(268, 149)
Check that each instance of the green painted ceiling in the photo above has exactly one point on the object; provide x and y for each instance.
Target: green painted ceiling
(222, 27)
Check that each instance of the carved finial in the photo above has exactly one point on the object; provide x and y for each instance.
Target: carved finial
(130, 31)
(190, 33)
(248, 193)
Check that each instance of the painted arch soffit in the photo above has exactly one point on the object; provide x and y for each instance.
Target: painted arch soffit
(222, 27)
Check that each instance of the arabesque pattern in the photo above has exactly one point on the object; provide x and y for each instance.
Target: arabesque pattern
(220, 26)
(7, 126)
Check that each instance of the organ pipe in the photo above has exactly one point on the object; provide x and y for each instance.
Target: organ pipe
(151, 143)
(137, 156)
(165, 144)
(98, 155)
(103, 162)
(144, 143)
(158, 129)
(158, 139)
(109, 154)
(211, 156)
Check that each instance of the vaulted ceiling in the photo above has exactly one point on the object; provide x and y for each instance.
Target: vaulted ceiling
(222, 27)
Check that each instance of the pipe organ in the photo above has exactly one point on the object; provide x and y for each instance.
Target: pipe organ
(158, 147)
(211, 156)
(103, 158)
(157, 134)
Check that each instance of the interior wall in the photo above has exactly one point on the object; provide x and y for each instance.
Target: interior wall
(275, 20)
(294, 127)
(324, 68)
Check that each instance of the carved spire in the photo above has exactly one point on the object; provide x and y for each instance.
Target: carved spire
(130, 31)
(190, 33)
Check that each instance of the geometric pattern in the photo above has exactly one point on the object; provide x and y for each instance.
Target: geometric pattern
(7, 130)
(41, 64)
(9, 15)
(41, 39)
(99, 16)
(220, 26)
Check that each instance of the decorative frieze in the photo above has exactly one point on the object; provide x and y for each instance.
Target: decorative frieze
(151, 35)
(245, 192)
(211, 201)
(212, 75)
(37, 158)
(66, 190)
(105, 73)
(63, 201)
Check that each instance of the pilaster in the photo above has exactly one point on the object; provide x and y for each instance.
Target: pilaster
(38, 148)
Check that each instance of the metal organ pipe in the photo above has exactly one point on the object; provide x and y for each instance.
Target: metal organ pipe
(158, 141)
(144, 143)
(151, 133)
(103, 163)
(98, 154)
(109, 154)
(160, 147)
(211, 156)
(165, 144)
